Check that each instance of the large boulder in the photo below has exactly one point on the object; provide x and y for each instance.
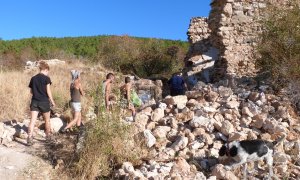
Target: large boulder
(57, 124)
(141, 121)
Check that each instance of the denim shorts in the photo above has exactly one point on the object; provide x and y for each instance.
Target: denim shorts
(76, 106)
(39, 106)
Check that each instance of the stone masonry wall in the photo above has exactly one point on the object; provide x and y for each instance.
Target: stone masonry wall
(227, 37)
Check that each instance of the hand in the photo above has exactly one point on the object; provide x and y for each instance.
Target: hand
(53, 104)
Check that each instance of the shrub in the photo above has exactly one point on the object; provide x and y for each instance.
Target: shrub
(279, 48)
(120, 53)
(108, 143)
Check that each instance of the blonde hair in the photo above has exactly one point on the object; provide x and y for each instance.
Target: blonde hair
(43, 66)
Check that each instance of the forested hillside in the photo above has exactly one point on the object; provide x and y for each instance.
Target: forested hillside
(142, 56)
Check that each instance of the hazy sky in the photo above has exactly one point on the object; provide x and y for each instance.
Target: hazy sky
(168, 19)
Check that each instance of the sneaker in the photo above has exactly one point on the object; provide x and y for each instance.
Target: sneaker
(29, 141)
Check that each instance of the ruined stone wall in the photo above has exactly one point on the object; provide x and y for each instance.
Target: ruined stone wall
(231, 30)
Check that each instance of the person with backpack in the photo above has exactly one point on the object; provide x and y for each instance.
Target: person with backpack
(40, 102)
(177, 85)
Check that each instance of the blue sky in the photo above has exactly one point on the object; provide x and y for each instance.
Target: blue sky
(168, 19)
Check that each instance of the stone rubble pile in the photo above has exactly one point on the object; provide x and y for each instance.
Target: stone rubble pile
(183, 134)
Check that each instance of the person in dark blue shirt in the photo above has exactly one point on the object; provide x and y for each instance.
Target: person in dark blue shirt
(177, 85)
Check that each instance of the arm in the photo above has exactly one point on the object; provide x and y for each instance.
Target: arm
(50, 94)
(80, 89)
(107, 93)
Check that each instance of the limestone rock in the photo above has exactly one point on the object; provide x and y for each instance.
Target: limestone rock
(57, 124)
(147, 111)
(150, 139)
(221, 173)
(199, 122)
(128, 167)
(211, 96)
(161, 131)
(237, 136)
(181, 167)
(157, 114)
(227, 128)
(180, 143)
(180, 101)
(232, 104)
(141, 120)
(247, 112)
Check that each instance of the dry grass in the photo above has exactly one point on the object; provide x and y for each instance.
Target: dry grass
(108, 144)
(15, 94)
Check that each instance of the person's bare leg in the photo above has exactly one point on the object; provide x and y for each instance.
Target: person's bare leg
(73, 122)
(131, 107)
(47, 123)
(133, 111)
(34, 115)
(79, 119)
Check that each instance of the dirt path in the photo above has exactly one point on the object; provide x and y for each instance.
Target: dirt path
(16, 163)
(19, 161)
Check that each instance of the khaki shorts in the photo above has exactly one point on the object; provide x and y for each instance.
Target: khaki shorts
(76, 106)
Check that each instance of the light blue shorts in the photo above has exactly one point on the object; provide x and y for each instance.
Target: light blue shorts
(76, 106)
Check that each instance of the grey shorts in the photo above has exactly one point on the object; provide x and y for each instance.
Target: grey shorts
(39, 106)
(76, 106)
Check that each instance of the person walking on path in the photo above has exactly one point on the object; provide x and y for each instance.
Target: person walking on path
(76, 92)
(106, 89)
(40, 102)
(177, 85)
(126, 90)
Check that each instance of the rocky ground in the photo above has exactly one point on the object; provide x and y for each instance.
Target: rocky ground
(184, 133)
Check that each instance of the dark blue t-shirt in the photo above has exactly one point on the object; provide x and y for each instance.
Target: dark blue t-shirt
(177, 83)
(38, 85)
